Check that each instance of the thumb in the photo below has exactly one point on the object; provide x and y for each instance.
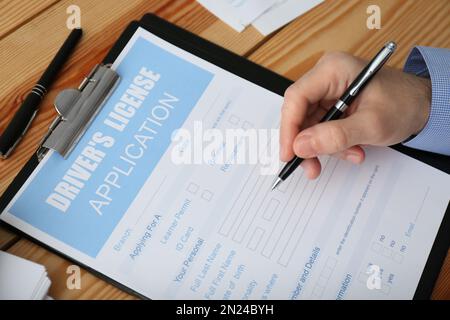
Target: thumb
(332, 137)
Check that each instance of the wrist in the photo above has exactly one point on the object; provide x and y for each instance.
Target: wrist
(422, 94)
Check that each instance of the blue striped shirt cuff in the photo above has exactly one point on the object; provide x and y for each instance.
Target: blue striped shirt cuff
(433, 63)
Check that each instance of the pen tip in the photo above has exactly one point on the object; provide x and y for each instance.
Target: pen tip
(276, 183)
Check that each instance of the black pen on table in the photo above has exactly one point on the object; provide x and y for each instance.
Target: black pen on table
(346, 99)
(22, 119)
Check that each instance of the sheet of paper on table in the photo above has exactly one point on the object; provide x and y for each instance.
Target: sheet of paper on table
(21, 279)
(265, 15)
(237, 13)
(283, 12)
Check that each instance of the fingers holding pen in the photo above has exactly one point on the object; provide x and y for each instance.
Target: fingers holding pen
(324, 82)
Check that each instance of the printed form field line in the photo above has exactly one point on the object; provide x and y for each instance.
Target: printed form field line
(245, 224)
(229, 222)
(270, 210)
(238, 234)
(422, 204)
(284, 186)
(255, 239)
(293, 221)
(270, 244)
(292, 244)
(150, 201)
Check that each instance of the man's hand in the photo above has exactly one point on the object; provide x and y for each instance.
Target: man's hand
(392, 107)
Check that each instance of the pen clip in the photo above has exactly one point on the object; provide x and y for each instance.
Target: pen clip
(377, 62)
(7, 153)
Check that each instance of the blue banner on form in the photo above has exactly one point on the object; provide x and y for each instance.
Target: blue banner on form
(156, 93)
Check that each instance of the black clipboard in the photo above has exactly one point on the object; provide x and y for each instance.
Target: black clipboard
(264, 78)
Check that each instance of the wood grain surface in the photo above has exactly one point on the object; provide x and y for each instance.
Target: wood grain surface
(32, 31)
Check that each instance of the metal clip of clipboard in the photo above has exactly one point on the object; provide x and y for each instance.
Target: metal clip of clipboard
(76, 109)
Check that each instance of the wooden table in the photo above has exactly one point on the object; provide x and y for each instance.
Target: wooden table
(32, 31)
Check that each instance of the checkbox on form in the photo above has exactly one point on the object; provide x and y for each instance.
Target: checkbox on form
(192, 188)
(233, 119)
(207, 195)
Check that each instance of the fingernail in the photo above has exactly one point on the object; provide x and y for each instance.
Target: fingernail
(353, 157)
(303, 146)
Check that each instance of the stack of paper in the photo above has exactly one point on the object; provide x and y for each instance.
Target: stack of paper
(265, 15)
(21, 279)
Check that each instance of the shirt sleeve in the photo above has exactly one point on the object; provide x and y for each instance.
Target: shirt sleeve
(433, 63)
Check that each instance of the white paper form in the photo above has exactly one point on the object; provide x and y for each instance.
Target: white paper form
(283, 12)
(237, 13)
(216, 231)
